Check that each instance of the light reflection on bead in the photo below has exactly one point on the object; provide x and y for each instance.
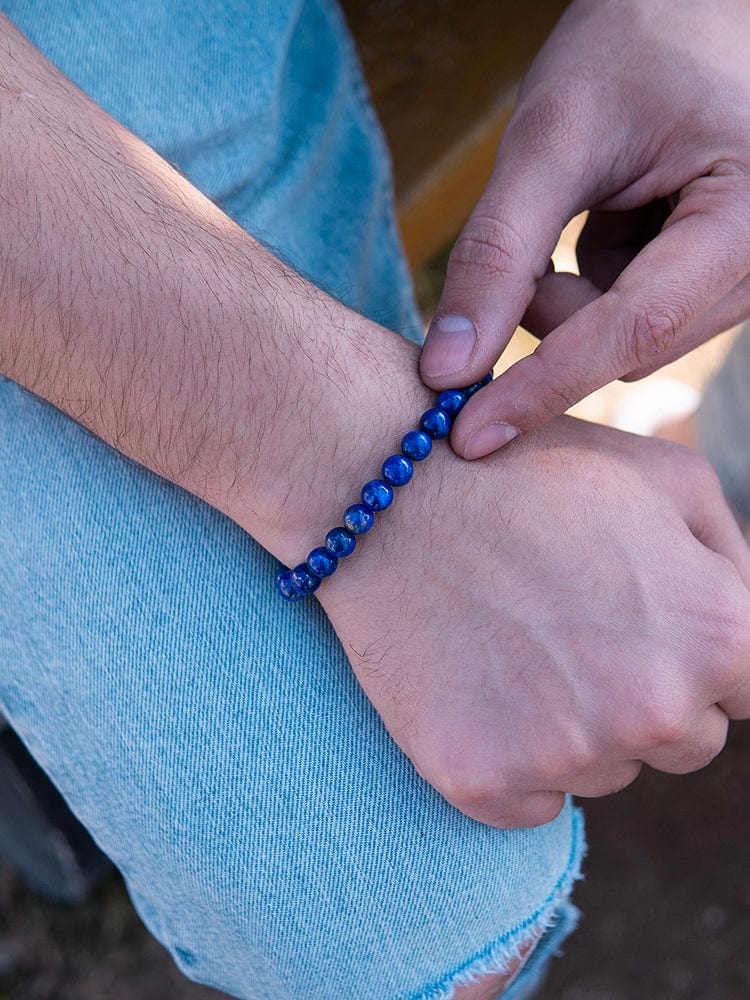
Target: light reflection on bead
(416, 445)
(377, 495)
(320, 562)
(285, 586)
(397, 470)
(340, 542)
(358, 519)
(479, 385)
(452, 401)
(436, 423)
(303, 580)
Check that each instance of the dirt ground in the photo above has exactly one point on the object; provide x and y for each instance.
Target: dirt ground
(666, 900)
(666, 905)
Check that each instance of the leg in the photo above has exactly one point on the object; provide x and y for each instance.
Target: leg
(220, 751)
(494, 984)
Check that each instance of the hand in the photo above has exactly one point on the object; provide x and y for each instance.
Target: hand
(533, 624)
(545, 620)
(638, 110)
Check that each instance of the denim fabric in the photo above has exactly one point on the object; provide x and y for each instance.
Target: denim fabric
(723, 421)
(214, 740)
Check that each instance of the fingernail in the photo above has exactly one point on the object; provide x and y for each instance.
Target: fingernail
(488, 439)
(449, 345)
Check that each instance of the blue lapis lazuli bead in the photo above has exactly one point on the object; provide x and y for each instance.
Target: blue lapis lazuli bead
(479, 385)
(285, 586)
(340, 542)
(416, 445)
(321, 563)
(436, 423)
(452, 401)
(358, 519)
(397, 470)
(303, 580)
(377, 495)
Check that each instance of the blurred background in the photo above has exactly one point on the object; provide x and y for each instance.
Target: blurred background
(666, 899)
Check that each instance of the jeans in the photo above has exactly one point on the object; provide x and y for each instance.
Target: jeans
(214, 741)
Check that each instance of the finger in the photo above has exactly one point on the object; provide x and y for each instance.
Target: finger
(701, 501)
(558, 296)
(604, 780)
(533, 809)
(730, 310)
(513, 811)
(737, 704)
(505, 246)
(696, 490)
(682, 749)
(720, 532)
(609, 241)
(689, 479)
(674, 280)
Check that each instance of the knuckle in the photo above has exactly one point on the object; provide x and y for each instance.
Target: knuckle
(549, 121)
(617, 781)
(652, 332)
(539, 811)
(557, 764)
(660, 723)
(735, 672)
(668, 729)
(693, 755)
(518, 814)
(464, 782)
(487, 245)
(613, 779)
(472, 792)
(737, 706)
(627, 732)
(729, 638)
(553, 395)
(733, 612)
(700, 754)
(704, 482)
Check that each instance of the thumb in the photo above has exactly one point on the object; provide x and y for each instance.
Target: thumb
(502, 253)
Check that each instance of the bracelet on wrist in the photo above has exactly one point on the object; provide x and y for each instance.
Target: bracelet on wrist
(376, 495)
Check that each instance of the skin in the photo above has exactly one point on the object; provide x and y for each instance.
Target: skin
(538, 623)
(685, 432)
(487, 989)
(639, 111)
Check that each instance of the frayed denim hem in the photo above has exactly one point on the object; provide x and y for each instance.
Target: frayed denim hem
(554, 920)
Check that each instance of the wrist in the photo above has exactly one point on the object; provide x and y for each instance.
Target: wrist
(350, 391)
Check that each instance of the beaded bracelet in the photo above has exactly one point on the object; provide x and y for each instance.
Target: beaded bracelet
(376, 496)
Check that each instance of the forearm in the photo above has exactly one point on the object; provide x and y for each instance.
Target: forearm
(133, 304)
